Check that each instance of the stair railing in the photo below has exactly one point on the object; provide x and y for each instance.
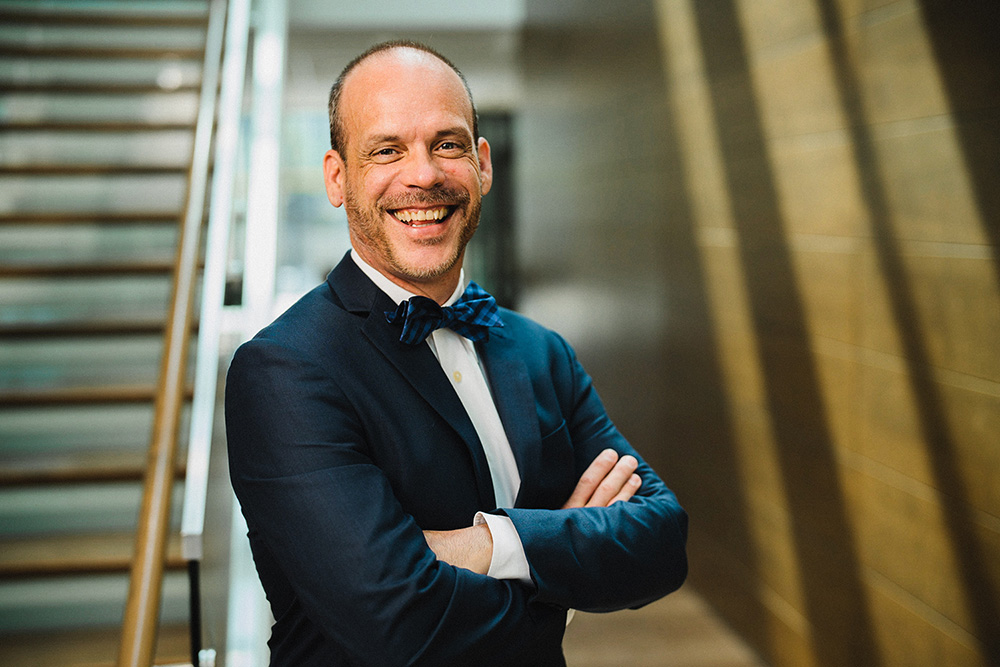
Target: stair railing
(141, 617)
(220, 218)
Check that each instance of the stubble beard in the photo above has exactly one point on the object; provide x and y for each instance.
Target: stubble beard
(367, 224)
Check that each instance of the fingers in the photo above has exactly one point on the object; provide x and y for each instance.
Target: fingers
(616, 483)
(628, 490)
(607, 480)
(592, 478)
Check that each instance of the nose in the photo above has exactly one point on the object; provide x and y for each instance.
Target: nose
(421, 170)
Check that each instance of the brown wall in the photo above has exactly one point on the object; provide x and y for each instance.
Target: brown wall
(789, 212)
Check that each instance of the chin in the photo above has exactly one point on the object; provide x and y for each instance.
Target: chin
(426, 268)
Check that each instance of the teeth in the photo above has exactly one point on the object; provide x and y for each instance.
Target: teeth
(421, 215)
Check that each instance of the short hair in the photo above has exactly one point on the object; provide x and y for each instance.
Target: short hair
(337, 134)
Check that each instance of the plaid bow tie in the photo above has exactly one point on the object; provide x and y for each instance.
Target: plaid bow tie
(471, 316)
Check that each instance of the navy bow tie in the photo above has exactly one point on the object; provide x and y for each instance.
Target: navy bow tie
(471, 316)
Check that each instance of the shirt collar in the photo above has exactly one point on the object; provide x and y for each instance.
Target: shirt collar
(394, 291)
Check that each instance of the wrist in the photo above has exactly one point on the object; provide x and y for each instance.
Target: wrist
(481, 548)
(469, 548)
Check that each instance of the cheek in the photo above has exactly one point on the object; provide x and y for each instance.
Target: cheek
(467, 173)
(370, 184)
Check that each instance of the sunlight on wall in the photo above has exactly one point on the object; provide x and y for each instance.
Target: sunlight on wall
(766, 506)
(828, 170)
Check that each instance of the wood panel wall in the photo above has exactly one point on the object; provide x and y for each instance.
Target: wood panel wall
(790, 210)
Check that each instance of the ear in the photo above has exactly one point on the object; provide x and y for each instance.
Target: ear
(334, 173)
(485, 166)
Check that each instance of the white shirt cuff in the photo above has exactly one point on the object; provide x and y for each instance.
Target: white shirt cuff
(508, 561)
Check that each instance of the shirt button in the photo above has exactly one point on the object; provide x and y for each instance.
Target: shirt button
(457, 375)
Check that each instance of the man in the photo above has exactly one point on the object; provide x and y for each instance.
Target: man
(414, 497)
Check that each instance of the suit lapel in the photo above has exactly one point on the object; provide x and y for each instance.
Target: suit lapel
(514, 397)
(416, 363)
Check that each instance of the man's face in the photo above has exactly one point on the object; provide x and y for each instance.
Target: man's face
(411, 174)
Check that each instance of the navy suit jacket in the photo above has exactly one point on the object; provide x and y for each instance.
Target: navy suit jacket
(345, 443)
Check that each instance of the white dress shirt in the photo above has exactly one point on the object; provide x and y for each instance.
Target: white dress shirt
(460, 362)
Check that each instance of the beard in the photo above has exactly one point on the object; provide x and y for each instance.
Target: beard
(368, 223)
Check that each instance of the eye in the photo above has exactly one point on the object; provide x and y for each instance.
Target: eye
(386, 154)
(451, 148)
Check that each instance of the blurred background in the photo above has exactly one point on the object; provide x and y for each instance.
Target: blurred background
(771, 229)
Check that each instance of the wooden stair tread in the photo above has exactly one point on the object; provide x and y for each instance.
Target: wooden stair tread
(75, 467)
(138, 393)
(99, 52)
(96, 647)
(89, 169)
(49, 16)
(88, 217)
(92, 88)
(89, 269)
(76, 554)
(70, 328)
(94, 126)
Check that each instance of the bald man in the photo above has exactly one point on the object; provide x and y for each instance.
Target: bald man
(429, 479)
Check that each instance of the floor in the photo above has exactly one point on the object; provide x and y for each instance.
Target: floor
(680, 630)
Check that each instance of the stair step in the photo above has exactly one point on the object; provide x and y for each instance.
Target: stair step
(125, 16)
(89, 217)
(92, 88)
(169, 74)
(30, 51)
(92, 169)
(68, 328)
(28, 300)
(90, 647)
(75, 467)
(33, 365)
(80, 395)
(95, 269)
(77, 508)
(93, 126)
(49, 606)
(75, 554)
(92, 193)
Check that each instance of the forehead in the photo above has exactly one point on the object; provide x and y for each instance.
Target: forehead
(403, 91)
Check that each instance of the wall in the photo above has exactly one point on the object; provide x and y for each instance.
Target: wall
(786, 214)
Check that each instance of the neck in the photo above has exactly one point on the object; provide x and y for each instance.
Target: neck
(439, 289)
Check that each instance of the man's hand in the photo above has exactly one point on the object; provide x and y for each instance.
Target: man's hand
(471, 548)
(607, 480)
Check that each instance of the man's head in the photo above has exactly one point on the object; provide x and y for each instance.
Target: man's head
(407, 164)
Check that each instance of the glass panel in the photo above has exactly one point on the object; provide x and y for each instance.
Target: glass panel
(171, 147)
(168, 72)
(82, 602)
(85, 362)
(107, 507)
(178, 37)
(91, 193)
(97, 8)
(170, 107)
(52, 429)
(82, 244)
(84, 299)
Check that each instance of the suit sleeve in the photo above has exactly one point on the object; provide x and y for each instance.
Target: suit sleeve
(602, 558)
(337, 542)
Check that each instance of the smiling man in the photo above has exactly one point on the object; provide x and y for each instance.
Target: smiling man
(429, 479)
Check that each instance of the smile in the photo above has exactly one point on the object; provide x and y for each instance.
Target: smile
(421, 217)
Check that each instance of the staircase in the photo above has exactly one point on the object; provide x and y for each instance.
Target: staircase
(98, 101)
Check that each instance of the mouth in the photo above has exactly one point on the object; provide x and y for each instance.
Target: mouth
(422, 217)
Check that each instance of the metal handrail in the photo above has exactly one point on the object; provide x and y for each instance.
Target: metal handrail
(212, 300)
(141, 618)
